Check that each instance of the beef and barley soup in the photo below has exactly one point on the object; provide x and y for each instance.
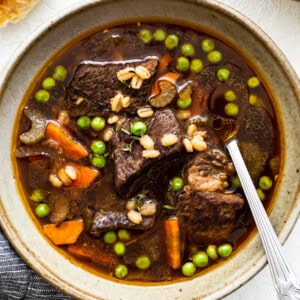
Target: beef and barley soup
(119, 150)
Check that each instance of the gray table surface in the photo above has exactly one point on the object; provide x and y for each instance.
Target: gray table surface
(280, 19)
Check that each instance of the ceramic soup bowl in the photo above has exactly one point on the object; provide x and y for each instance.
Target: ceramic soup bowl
(212, 17)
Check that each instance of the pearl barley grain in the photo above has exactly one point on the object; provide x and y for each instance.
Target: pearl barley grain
(169, 139)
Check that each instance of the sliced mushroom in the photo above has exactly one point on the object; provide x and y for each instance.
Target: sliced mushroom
(164, 90)
(60, 208)
(111, 220)
(39, 150)
(167, 94)
(38, 126)
(150, 65)
(186, 92)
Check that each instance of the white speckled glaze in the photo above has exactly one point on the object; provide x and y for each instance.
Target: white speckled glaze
(25, 235)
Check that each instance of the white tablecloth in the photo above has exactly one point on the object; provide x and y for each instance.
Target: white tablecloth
(280, 19)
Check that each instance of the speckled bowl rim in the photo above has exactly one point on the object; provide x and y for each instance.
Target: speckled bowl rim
(23, 233)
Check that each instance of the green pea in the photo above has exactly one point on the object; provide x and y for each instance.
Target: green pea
(253, 99)
(98, 123)
(196, 65)
(188, 269)
(98, 161)
(236, 181)
(42, 96)
(171, 41)
(110, 237)
(231, 109)
(212, 252)
(214, 56)
(253, 82)
(145, 35)
(182, 64)
(59, 73)
(208, 45)
(48, 83)
(225, 250)
(119, 248)
(184, 103)
(223, 74)
(83, 122)
(261, 194)
(98, 147)
(121, 271)
(42, 210)
(187, 50)
(230, 95)
(143, 262)
(124, 235)
(265, 183)
(177, 183)
(37, 195)
(159, 35)
(138, 128)
(200, 259)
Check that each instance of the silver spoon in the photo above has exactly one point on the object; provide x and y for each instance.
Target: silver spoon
(286, 283)
(285, 280)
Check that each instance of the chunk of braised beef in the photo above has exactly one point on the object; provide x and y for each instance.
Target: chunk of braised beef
(33, 151)
(208, 217)
(110, 220)
(95, 83)
(38, 173)
(133, 171)
(157, 273)
(60, 208)
(209, 171)
(206, 213)
(65, 204)
(113, 43)
(146, 244)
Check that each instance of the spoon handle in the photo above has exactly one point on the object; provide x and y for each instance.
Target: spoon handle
(286, 283)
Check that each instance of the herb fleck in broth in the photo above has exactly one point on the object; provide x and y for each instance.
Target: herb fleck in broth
(120, 156)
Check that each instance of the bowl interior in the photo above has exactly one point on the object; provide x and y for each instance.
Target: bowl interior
(212, 17)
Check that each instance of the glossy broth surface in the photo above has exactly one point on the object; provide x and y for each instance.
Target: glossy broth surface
(215, 92)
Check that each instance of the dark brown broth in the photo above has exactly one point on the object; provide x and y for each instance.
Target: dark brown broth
(87, 49)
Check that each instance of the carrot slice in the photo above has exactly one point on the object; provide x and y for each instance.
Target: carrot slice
(66, 233)
(71, 148)
(172, 234)
(199, 103)
(97, 255)
(80, 252)
(85, 175)
(163, 63)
